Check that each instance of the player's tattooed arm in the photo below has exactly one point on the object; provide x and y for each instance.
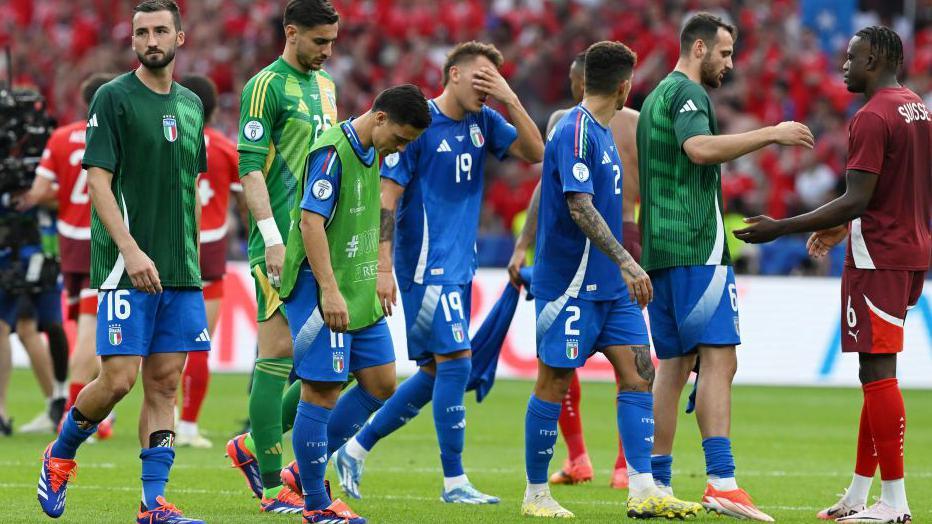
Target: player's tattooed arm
(593, 225)
(385, 281)
(528, 232)
(387, 225)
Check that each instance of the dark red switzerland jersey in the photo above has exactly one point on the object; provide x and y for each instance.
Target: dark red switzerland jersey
(891, 136)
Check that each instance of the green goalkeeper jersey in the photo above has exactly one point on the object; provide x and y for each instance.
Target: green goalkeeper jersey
(154, 146)
(681, 201)
(282, 112)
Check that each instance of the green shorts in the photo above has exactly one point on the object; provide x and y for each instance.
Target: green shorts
(267, 299)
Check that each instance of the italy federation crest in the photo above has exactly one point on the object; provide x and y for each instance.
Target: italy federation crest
(170, 128)
(572, 349)
(338, 362)
(115, 334)
(458, 334)
(475, 134)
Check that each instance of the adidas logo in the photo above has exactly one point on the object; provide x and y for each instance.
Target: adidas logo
(689, 106)
(203, 337)
(459, 425)
(605, 158)
(444, 147)
(321, 460)
(548, 451)
(92, 122)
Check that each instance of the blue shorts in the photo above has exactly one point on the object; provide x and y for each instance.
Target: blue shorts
(436, 319)
(570, 330)
(692, 306)
(43, 307)
(8, 306)
(321, 355)
(133, 322)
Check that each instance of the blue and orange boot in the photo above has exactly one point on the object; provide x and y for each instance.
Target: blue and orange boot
(291, 478)
(286, 502)
(165, 513)
(336, 513)
(242, 458)
(53, 482)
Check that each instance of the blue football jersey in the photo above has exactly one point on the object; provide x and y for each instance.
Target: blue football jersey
(442, 173)
(579, 157)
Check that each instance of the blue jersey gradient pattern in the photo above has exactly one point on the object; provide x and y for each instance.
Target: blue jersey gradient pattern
(579, 157)
(442, 173)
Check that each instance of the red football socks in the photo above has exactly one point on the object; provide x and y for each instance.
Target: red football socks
(887, 414)
(866, 463)
(194, 385)
(571, 422)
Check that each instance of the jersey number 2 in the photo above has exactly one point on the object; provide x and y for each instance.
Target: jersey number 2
(79, 191)
(568, 328)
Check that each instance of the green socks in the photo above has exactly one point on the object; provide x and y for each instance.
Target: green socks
(265, 417)
(290, 405)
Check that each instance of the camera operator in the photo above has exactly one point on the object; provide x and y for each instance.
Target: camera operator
(29, 278)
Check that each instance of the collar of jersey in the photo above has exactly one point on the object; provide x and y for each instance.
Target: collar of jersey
(366, 156)
(291, 68)
(436, 109)
(588, 114)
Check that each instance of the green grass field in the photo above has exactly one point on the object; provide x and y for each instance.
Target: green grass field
(794, 449)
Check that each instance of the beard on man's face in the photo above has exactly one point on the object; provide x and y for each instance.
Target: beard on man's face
(708, 73)
(156, 60)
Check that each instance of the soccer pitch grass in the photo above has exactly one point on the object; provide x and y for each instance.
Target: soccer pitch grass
(794, 448)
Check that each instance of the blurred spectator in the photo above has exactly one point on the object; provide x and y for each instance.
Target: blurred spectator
(782, 69)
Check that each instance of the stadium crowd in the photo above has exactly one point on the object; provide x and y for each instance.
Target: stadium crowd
(782, 72)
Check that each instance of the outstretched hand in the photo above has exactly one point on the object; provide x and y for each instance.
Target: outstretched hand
(760, 229)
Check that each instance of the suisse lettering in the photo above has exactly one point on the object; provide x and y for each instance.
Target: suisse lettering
(913, 112)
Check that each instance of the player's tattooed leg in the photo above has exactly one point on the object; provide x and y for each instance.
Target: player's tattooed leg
(644, 365)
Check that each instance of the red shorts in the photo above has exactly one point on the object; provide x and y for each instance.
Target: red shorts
(213, 260)
(82, 300)
(213, 289)
(631, 239)
(873, 308)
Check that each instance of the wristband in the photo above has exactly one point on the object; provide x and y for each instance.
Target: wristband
(269, 231)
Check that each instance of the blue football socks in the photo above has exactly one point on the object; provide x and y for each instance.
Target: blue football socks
(636, 426)
(349, 415)
(540, 436)
(309, 440)
(412, 395)
(72, 435)
(450, 413)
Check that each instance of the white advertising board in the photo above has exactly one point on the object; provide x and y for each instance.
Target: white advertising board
(790, 329)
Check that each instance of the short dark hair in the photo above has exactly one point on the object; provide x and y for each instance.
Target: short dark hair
(92, 83)
(703, 26)
(884, 42)
(310, 13)
(405, 104)
(467, 50)
(152, 6)
(579, 60)
(205, 89)
(608, 64)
